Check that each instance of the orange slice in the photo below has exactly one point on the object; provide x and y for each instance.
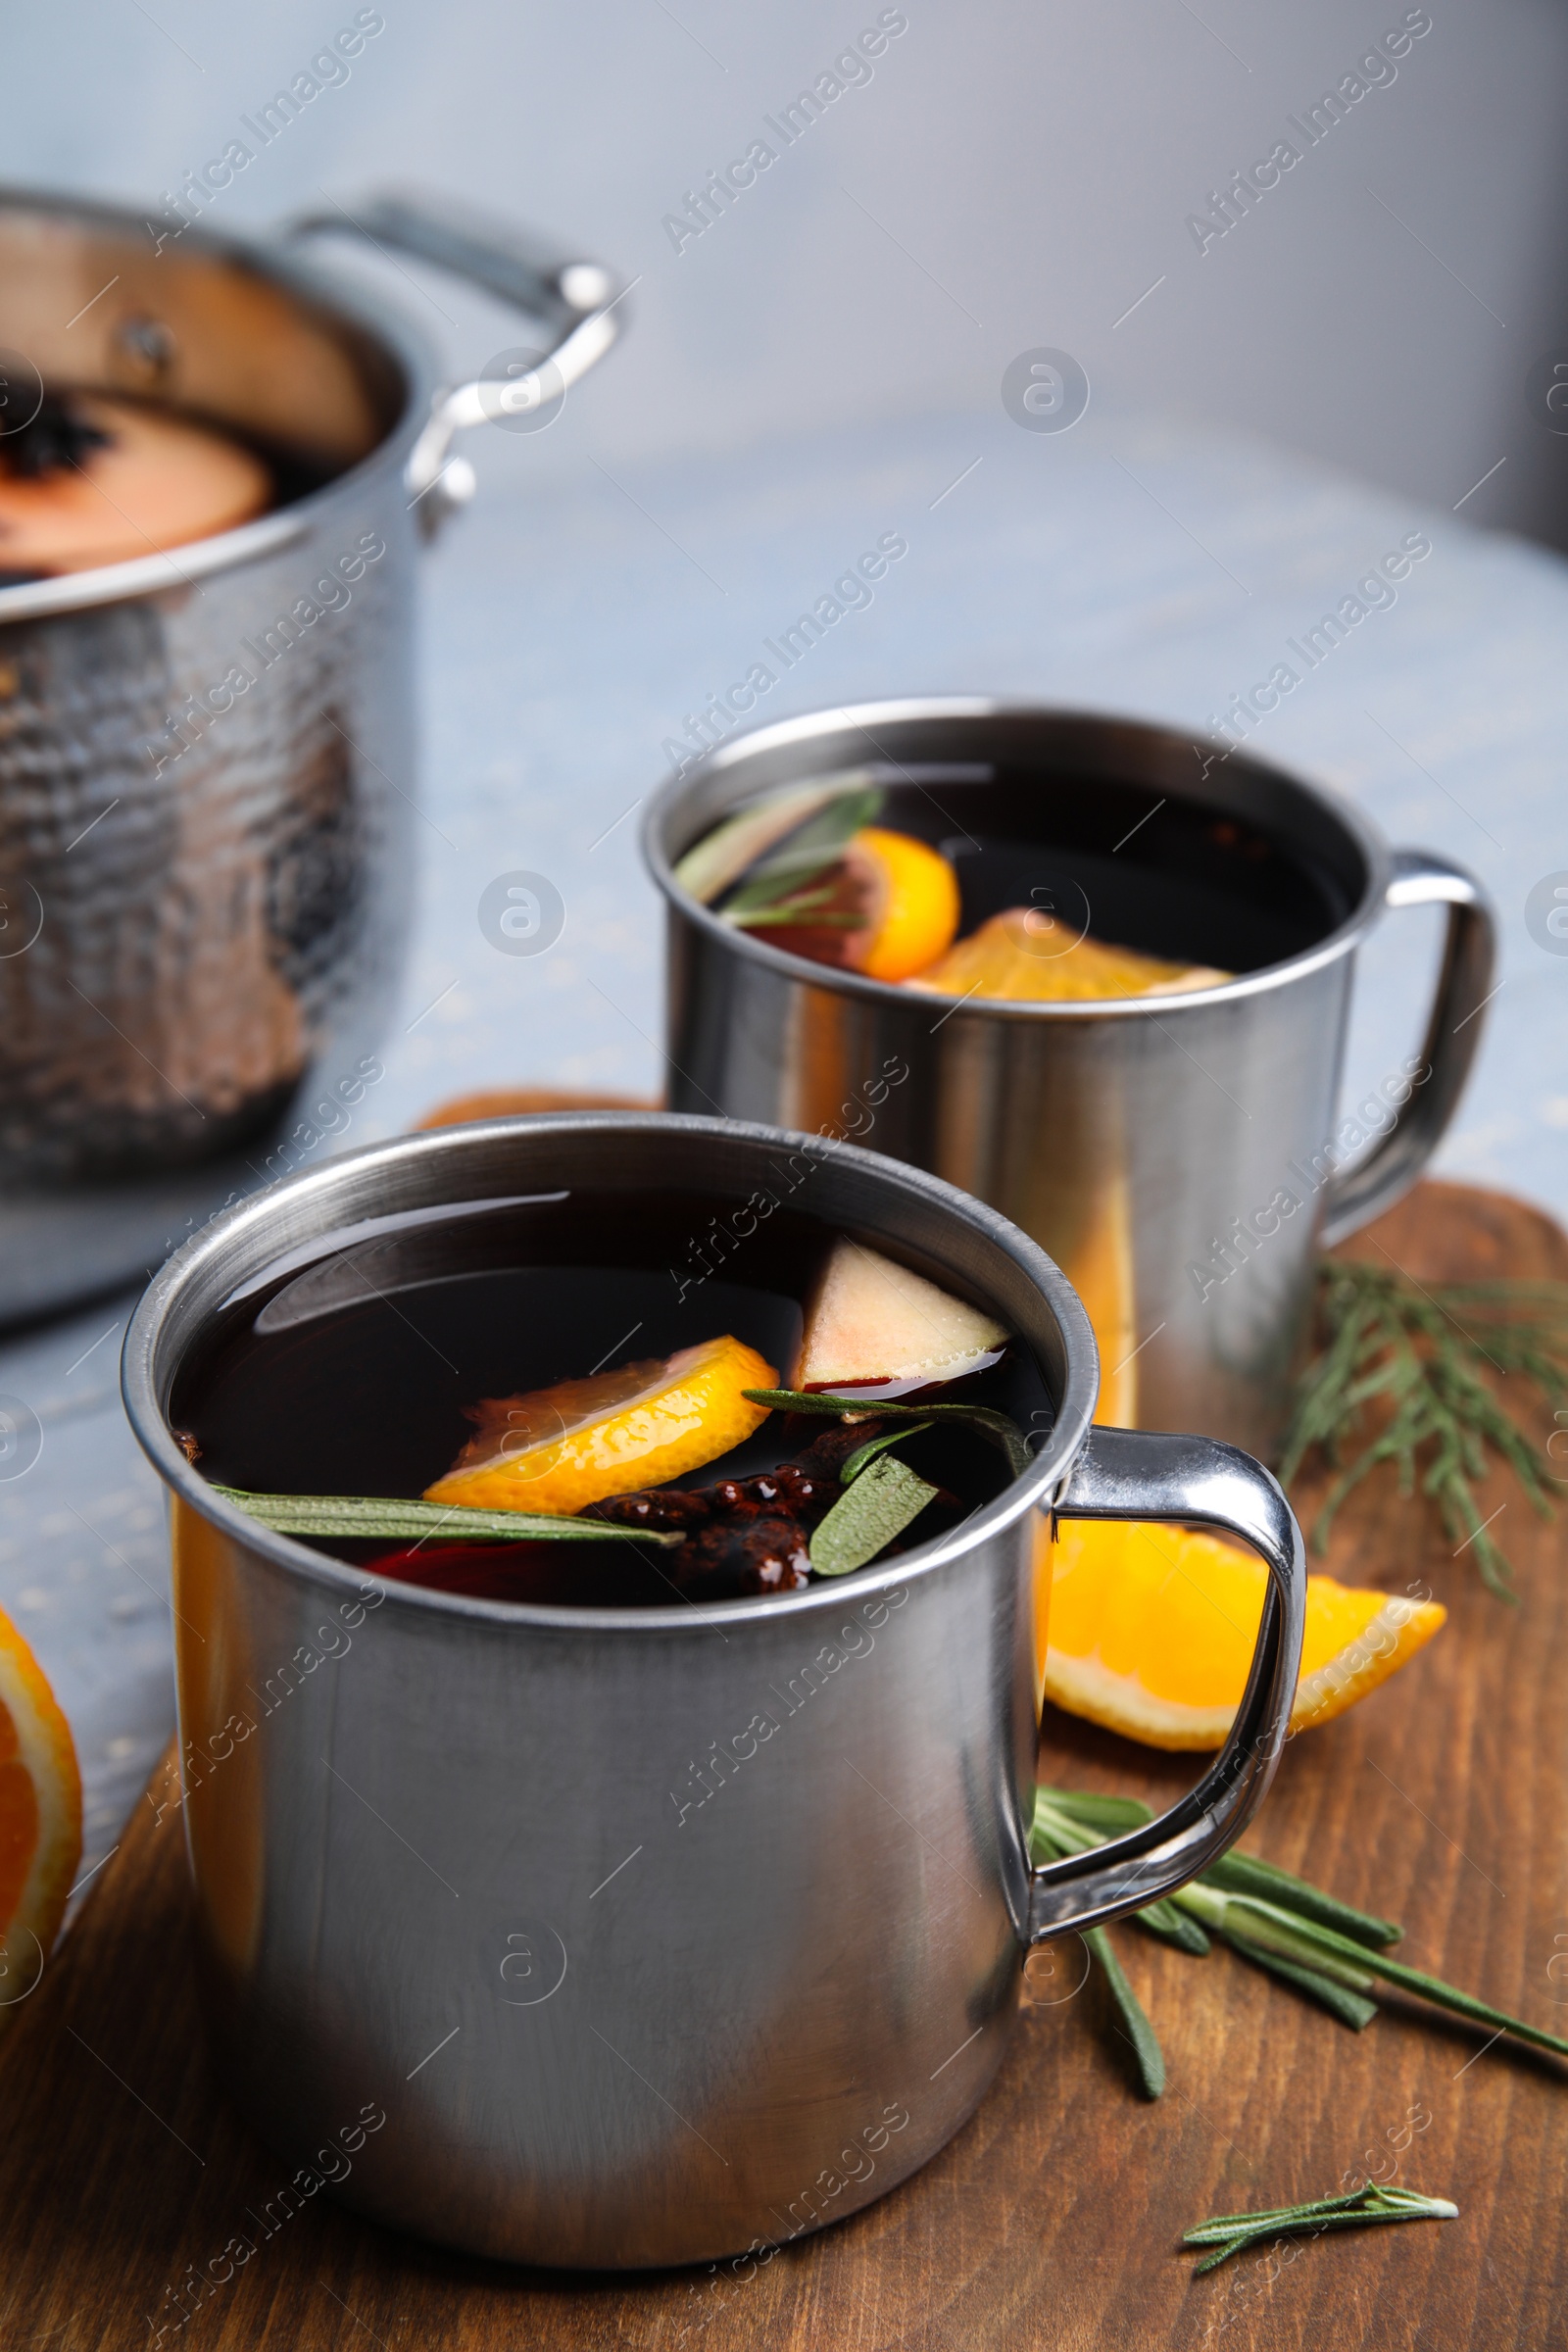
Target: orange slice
(1152, 1630)
(914, 904)
(556, 1451)
(41, 1818)
(161, 482)
(1030, 957)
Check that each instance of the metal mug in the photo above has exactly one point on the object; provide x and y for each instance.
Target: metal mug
(1181, 1156)
(207, 774)
(650, 1935)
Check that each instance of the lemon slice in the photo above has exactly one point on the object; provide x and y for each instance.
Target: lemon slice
(40, 1818)
(1152, 1630)
(555, 1450)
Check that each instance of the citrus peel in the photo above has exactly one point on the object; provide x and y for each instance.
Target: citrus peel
(1152, 1627)
(555, 1450)
(41, 1818)
(912, 904)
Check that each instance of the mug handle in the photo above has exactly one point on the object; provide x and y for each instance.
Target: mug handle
(574, 299)
(1144, 1474)
(1419, 878)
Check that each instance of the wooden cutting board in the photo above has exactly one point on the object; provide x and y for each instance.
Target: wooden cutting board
(1051, 2219)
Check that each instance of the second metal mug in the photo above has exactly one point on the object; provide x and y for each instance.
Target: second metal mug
(630, 1937)
(1182, 1157)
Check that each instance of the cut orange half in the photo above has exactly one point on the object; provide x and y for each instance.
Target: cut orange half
(556, 1451)
(1152, 1630)
(41, 1818)
(912, 905)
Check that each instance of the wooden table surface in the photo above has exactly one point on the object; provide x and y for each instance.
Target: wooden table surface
(1051, 2219)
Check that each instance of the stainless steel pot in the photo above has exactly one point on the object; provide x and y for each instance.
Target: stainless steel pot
(1182, 1157)
(207, 757)
(652, 1934)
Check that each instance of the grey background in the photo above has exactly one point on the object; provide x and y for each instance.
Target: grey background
(1013, 175)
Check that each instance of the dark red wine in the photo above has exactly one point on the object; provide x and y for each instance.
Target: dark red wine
(358, 1370)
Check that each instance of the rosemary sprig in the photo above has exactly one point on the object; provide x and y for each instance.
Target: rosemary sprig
(1233, 2232)
(876, 1445)
(802, 858)
(1282, 1924)
(373, 1515)
(1424, 1351)
(998, 1429)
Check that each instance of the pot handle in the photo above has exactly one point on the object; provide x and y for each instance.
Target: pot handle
(1144, 1474)
(1419, 878)
(574, 299)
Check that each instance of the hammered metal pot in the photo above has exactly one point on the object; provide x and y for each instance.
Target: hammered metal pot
(206, 755)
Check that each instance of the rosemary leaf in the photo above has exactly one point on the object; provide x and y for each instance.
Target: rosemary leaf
(1140, 2034)
(1353, 2009)
(1231, 2232)
(785, 913)
(1424, 1352)
(869, 1452)
(1172, 1926)
(804, 854)
(1281, 1923)
(998, 1429)
(1109, 1815)
(1056, 1831)
(1349, 1962)
(1246, 1873)
(723, 855)
(381, 1517)
(887, 1498)
(1256, 1928)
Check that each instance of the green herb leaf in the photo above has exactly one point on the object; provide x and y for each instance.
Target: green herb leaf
(1425, 1352)
(869, 1452)
(1172, 1926)
(1109, 1816)
(887, 1498)
(1057, 1833)
(1231, 2232)
(1353, 2009)
(998, 1429)
(370, 1515)
(1318, 1945)
(804, 852)
(1246, 1873)
(791, 914)
(1139, 2032)
(721, 856)
(1267, 1927)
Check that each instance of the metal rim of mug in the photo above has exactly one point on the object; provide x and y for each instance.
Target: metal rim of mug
(946, 709)
(198, 559)
(227, 1236)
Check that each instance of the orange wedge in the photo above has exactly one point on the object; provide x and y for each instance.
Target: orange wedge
(41, 1818)
(914, 904)
(1031, 956)
(1152, 1630)
(556, 1451)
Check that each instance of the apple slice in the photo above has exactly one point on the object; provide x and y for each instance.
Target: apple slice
(874, 1326)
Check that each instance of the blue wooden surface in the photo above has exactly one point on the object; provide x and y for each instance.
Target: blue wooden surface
(572, 622)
